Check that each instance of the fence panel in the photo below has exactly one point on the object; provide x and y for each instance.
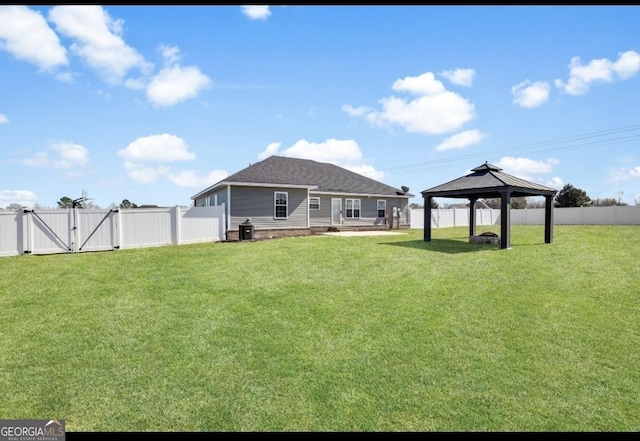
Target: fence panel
(201, 224)
(145, 227)
(450, 217)
(11, 243)
(48, 231)
(627, 215)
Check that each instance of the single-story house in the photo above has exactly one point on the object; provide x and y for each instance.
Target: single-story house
(289, 196)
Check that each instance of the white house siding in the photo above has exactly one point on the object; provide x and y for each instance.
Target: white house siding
(257, 203)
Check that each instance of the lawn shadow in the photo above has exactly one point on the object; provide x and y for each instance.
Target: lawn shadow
(449, 246)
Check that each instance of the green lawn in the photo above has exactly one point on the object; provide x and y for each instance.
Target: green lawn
(320, 333)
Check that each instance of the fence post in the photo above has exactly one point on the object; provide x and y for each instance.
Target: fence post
(176, 224)
(119, 228)
(28, 230)
(75, 234)
(223, 224)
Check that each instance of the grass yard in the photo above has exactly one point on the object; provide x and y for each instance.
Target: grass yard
(319, 333)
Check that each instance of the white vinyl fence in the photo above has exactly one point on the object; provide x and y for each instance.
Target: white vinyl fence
(75, 230)
(457, 217)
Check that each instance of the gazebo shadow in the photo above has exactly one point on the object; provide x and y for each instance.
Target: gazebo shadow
(449, 246)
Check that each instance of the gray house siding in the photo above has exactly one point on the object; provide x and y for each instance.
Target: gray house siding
(221, 196)
(321, 217)
(250, 194)
(257, 203)
(368, 210)
(216, 198)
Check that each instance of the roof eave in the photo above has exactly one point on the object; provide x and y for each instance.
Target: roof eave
(377, 195)
(250, 184)
(488, 192)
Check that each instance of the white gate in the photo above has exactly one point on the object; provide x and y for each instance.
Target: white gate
(69, 231)
(76, 230)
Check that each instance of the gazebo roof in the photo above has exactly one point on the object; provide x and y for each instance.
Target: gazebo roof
(488, 181)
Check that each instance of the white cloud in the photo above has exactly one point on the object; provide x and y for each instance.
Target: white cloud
(555, 182)
(176, 84)
(529, 95)
(435, 110)
(461, 140)
(3, 118)
(163, 148)
(602, 70)
(425, 84)
(67, 155)
(624, 174)
(272, 149)
(71, 154)
(366, 170)
(145, 174)
(628, 64)
(525, 167)
(191, 179)
(332, 150)
(98, 40)
(256, 12)
(157, 148)
(355, 111)
(65, 77)
(23, 197)
(461, 77)
(25, 34)
(341, 152)
(171, 54)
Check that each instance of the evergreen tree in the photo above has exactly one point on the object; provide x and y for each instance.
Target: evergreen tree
(570, 196)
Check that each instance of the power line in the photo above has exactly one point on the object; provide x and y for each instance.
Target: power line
(527, 148)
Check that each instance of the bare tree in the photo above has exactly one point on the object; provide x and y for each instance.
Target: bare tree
(535, 202)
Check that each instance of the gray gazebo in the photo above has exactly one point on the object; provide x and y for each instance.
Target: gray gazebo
(487, 181)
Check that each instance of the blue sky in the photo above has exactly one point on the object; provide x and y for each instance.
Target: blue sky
(155, 103)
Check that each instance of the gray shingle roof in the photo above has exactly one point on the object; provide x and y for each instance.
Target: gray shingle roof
(487, 180)
(279, 170)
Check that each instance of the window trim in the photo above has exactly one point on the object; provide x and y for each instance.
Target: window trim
(311, 198)
(353, 208)
(276, 205)
(384, 209)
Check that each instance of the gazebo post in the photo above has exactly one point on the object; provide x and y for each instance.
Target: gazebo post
(548, 219)
(505, 220)
(427, 219)
(472, 216)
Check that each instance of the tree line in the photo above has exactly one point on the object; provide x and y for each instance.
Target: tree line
(568, 196)
(67, 202)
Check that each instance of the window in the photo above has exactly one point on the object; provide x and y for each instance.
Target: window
(314, 203)
(382, 208)
(352, 208)
(280, 204)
